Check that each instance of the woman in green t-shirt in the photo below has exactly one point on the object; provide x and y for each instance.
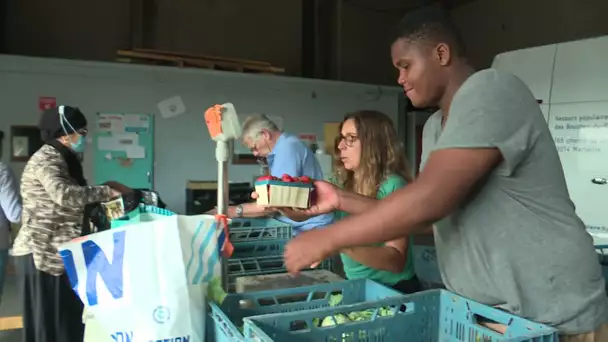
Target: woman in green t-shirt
(370, 161)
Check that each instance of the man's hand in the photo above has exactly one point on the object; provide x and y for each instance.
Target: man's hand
(115, 193)
(306, 250)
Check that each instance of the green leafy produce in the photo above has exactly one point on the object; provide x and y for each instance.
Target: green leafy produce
(358, 316)
(215, 292)
(335, 300)
(333, 320)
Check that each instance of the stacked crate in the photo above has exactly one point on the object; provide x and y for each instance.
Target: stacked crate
(228, 317)
(258, 248)
(434, 315)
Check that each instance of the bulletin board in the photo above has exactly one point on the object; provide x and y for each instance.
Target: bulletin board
(124, 149)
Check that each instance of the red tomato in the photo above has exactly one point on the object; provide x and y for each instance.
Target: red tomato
(264, 178)
(305, 179)
(286, 178)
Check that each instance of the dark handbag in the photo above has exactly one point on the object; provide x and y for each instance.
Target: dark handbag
(95, 219)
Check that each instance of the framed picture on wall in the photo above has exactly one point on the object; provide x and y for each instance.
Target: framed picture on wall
(25, 141)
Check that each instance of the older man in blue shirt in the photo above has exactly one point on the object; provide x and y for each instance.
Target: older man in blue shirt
(286, 154)
(10, 211)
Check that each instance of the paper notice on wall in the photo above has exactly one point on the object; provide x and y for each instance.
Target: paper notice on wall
(136, 152)
(21, 146)
(171, 107)
(111, 123)
(117, 142)
(136, 123)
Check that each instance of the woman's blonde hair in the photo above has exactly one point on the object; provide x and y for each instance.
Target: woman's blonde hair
(382, 154)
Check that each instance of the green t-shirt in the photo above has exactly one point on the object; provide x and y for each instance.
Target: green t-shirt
(356, 270)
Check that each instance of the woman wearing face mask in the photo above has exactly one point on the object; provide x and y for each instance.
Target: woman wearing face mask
(54, 193)
(370, 161)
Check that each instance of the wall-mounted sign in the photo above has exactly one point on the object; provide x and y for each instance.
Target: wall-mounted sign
(46, 102)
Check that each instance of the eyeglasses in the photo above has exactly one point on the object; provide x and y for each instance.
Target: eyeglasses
(253, 147)
(83, 131)
(349, 139)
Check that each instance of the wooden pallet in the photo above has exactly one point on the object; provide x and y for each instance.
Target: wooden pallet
(11, 323)
(157, 57)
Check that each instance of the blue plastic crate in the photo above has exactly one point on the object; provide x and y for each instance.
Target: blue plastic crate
(258, 230)
(433, 316)
(238, 306)
(243, 267)
(260, 248)
(249, 250)
(253, 266)
(250, 266)
(145, 213)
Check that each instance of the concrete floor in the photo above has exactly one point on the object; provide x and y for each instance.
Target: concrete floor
(10, 306)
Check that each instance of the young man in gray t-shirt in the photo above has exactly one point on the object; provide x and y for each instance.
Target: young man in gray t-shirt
(506, 230)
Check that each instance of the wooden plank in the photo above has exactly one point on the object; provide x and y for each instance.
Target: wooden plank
(207, 57)
(11, 323)
(184, 62)
(170, 59)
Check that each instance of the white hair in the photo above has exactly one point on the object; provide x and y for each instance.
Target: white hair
(255, 124)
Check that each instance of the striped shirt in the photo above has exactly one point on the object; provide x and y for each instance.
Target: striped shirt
(53, 208)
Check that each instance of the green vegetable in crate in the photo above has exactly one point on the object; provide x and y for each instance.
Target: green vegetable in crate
(333, 320)
(359, 316)
(215, 292)
(384, 312)
(335, 299)
(356, 316)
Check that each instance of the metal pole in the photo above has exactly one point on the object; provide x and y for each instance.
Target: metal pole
(222, 156)
(222, 189)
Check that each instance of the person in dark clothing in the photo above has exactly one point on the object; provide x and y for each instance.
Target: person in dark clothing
(54, 193)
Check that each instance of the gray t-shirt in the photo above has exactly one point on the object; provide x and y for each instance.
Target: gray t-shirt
(516, 242)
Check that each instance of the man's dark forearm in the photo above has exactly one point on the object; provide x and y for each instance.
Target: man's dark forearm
(387, 221)
(354, 204)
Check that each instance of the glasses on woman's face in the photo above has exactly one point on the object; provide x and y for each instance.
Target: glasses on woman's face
(349, 139)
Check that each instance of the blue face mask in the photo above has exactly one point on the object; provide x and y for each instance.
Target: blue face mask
(80, 144)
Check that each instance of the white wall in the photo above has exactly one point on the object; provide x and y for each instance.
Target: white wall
(571, 78)
(184, 150)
